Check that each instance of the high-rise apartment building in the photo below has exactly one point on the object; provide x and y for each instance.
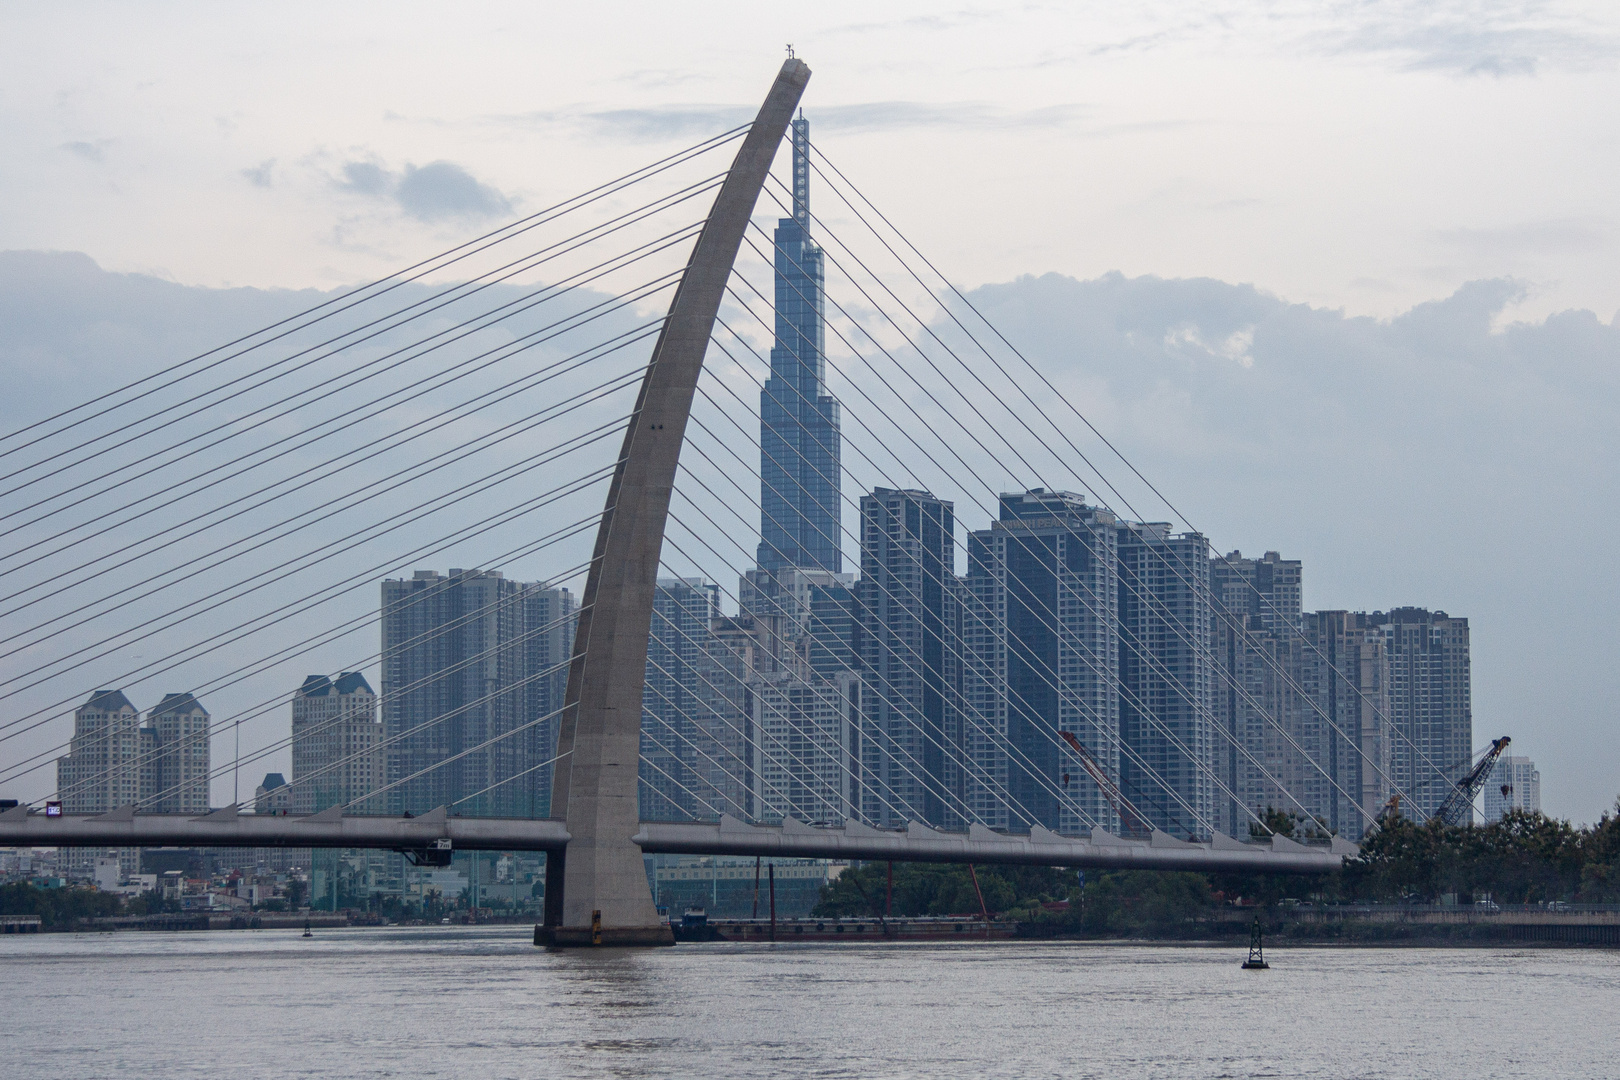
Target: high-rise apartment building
(337, 753)
(1269, 589)
(474, 669)
(111, 760)
(1431, 704)
(698, 740)
(1166, 677)
(1514, 785)
(116, 759)
(179, 725)
(1041, 634)
(1346, 679)
(800, 451)
(1260, 712)
(805, 692)
(673, 712)
(1301, 702)
(907, 629)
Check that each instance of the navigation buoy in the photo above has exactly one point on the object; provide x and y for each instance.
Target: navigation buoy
(1256, 960)
(309, 933)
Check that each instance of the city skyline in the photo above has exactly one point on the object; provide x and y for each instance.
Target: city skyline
(1054, 485)
(1282, 426)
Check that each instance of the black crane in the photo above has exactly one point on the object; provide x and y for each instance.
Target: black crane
(1461, 799)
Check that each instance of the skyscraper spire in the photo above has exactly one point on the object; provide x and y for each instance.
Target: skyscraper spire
(801, 173)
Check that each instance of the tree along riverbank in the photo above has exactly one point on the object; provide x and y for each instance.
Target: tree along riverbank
(1428, 883)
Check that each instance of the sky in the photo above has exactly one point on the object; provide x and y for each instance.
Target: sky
(1342, 279)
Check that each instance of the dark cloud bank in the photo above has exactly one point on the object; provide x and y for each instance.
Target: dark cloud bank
(1427, 459)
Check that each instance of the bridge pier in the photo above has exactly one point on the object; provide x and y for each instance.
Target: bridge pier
(599, 893)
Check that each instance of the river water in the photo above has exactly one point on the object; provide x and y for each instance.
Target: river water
(484, 1003)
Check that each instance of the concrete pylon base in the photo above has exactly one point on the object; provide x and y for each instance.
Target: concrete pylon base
(572, 937)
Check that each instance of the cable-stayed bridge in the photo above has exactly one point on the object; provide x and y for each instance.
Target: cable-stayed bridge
(1056, 705)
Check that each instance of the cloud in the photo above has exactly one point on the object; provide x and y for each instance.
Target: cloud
(638, 125)
(1235, 346)
(366, 178)
(1557, 234)
(1491, 39)
(437, 191)
(259, 175)
(443, 189)
(892, 115)
(932, 23)
(695, 121)
(1463, 38)
(89, 151)
(73, 330)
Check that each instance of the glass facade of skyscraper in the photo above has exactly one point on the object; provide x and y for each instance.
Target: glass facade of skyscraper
(799, 439)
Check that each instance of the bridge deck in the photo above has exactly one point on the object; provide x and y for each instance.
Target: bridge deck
(792, 839)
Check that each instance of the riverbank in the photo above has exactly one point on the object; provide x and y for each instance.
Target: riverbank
(1428, 926)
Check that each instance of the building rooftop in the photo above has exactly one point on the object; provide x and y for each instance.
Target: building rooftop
(108, 701)
(352, 682)
(174, 703)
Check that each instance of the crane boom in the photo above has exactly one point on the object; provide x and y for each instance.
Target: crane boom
(1129, 819)
(1461, 800)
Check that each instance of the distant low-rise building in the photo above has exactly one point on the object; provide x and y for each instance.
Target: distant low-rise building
(273, 796)
(1514, 785)
(736, 888)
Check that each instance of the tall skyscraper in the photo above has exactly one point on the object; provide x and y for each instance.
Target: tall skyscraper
(1514, 785)
(1166, 677)
(473, 668)
(1041, 633)
(909, 622)
(786, 658)
(800, 452)
(1431, 704)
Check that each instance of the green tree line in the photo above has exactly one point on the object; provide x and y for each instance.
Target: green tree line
(1525, 858)
(58, 907)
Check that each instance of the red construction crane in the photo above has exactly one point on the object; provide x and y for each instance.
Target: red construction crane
(1129, 819)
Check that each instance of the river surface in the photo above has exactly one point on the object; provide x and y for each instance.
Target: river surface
(484, 1003)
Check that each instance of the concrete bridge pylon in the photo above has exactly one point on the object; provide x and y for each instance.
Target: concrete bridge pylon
(596, 889)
